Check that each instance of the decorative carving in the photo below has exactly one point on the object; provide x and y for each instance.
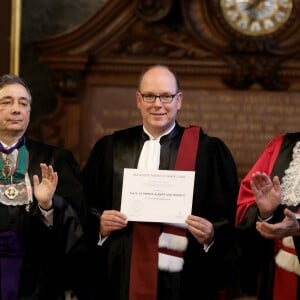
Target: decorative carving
(180, 29)
(191, 36)
(255, 69)
(153, 10)
(67, 85)
(250, 59)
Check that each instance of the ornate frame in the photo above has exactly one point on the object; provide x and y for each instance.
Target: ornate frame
(16, 13)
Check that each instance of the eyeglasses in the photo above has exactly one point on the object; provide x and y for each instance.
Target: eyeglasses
(149, 98)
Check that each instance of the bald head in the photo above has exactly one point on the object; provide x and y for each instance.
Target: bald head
(159, 70)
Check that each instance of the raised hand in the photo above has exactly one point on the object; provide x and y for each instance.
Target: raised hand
(267, 193)
(44, 190)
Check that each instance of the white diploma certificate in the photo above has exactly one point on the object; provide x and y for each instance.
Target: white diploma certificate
(157, 195)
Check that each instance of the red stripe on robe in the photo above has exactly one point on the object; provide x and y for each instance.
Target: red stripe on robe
(144, 253)
(285, 283)
(265, 163)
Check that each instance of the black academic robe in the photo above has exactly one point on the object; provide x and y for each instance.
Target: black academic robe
(215, 192)
(257, 265)
(52, 256)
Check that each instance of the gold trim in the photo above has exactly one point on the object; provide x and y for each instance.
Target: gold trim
(15, 33)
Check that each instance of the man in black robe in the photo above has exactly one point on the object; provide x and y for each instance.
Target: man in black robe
(42, 208)
(206, 264)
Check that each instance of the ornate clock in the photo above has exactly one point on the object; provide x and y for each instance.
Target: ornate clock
(256, 17)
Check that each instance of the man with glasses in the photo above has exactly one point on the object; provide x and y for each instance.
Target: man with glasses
(184, 260)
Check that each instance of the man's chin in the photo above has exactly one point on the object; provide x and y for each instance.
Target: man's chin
(16, 129)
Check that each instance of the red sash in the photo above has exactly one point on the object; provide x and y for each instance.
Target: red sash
(144, 253)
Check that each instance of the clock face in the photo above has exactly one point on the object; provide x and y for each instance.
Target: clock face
(256, 17)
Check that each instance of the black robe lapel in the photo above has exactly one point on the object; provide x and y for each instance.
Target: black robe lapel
(127, 145)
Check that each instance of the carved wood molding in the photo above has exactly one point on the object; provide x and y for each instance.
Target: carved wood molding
(250, 59)
(191, 36)
(125, 32)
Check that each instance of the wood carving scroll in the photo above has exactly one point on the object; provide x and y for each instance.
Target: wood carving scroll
(153, 10)
(176, 30)
(197, 30)
(250, 59)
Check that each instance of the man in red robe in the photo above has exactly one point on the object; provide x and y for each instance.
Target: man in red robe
(269, 232)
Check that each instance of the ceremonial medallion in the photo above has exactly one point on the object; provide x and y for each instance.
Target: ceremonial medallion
(7, 168)
(11, 192)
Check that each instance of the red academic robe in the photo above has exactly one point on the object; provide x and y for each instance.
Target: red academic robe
(271, 281)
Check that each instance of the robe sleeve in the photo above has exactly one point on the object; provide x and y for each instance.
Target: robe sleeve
(265, 164)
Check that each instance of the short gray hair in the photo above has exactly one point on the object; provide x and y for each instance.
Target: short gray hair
(14, 79)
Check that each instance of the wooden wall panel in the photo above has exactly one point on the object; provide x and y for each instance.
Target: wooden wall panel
(244, 120)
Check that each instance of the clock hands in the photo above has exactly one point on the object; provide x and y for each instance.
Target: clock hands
(251, 9)
(258, 9)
